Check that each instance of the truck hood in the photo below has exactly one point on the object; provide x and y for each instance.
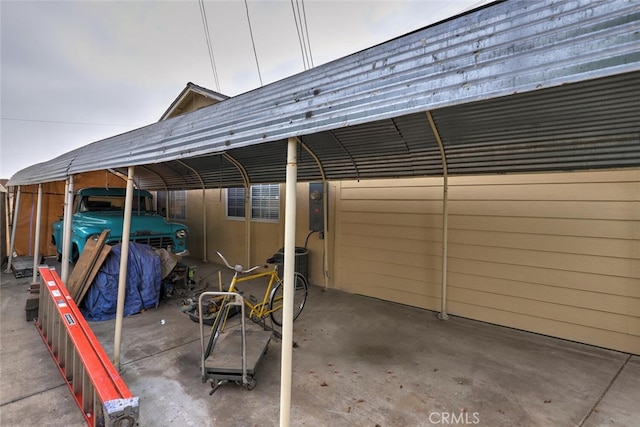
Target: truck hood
(140, 224)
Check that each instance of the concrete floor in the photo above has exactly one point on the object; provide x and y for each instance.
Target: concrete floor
(359, 362)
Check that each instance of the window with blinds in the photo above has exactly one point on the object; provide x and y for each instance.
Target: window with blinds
(265, 202)
(177, 204)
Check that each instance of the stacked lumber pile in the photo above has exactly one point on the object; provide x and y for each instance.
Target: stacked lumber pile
(85, 270)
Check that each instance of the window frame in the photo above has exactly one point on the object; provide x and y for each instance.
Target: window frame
(264, 202)
(177, 202)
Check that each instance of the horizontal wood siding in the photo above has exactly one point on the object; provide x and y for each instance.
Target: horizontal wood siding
(557, 254)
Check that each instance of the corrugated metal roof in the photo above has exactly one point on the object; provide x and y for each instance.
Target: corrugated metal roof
(515, 86)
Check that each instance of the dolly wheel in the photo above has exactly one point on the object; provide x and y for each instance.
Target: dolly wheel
(215, 385)
(251, 384)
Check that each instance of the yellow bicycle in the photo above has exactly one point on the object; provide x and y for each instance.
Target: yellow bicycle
(271, 303)
(259, 311)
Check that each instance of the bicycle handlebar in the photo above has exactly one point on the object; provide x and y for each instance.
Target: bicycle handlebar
(238, 268)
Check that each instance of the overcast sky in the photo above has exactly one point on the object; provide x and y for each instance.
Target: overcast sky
(75, 72)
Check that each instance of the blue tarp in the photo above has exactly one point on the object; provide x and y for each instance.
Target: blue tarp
(142, 289)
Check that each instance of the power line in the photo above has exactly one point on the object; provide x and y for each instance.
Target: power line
(300, 19)
(255, 54)
(295, 19)
(61, 122)
(306, 32)
(207, 35)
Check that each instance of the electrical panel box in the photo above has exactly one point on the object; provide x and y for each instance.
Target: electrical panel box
(316, 207)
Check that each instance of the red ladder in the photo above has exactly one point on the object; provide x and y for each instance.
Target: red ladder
(94, 382)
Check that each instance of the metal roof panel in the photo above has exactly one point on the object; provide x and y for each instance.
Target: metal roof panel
(364, 114)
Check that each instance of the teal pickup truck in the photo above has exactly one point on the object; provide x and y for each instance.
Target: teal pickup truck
(98, 209)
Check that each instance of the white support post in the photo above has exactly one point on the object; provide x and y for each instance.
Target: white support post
(247, 221)
(325, 208)
(36, 244)
(445, 218)
(6, 243)
(66, 229)
(12, 245)
(122, 278)
(204, 225)
(167, 208)
(289, 284)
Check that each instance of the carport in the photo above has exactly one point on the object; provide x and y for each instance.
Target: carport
(511, 87)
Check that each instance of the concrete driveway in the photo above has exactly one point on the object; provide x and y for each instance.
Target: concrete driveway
(359, 362)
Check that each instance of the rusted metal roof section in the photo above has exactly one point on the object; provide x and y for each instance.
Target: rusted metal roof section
(590, 125)
(514, 86)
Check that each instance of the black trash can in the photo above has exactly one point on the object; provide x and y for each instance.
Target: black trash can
(302, 262)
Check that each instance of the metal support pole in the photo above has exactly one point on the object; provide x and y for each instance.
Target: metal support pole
(204, 209)
(445, 219)
(36, 245)
(66, 231)
(6, 243)
(325, 208)
(204, 224)
(167, 208)
(247, 221)
(124, 257)
(12, 247)
(289, 284)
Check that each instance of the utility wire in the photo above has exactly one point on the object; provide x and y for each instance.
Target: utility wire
(300, 19)
(253, 43)
(295, 19)
(61, 122)
(207, 35)
(306, 32)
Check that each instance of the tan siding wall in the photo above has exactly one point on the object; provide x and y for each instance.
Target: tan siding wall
(229, 235)
(557, 254)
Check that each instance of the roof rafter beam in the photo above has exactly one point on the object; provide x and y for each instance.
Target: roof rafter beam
(315, 157)
(240, 167)
(353, 161)
(194, 171)
(157, 174)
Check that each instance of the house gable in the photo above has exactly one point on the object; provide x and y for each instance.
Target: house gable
(191, 98)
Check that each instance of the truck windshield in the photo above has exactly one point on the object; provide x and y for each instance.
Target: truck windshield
(113, 203)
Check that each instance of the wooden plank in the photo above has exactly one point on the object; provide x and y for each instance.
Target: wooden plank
(94, 271)
(85, 264)
(79, 270)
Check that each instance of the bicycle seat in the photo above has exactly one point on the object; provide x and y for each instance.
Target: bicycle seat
(277, 258)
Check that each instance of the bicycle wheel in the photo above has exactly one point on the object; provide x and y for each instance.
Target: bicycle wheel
(216, 328)
(299, 299)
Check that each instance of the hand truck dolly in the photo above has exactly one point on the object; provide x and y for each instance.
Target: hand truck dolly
(237, 352)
